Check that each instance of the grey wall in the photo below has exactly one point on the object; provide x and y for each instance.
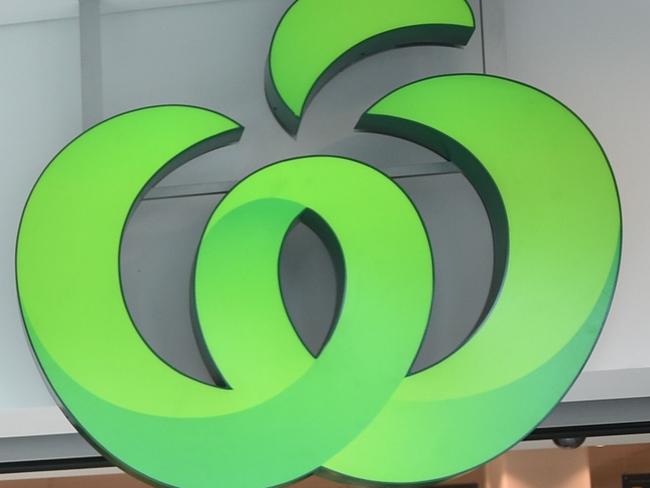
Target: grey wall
(39, 112)
(214, 55)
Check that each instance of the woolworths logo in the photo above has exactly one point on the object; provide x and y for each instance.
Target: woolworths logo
(353, 411)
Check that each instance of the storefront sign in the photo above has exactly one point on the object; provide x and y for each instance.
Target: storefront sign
(352, 411)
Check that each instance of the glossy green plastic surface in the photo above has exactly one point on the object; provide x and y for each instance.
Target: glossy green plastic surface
(315, 36)
(353, 409)
(286, 413)
(564, 233)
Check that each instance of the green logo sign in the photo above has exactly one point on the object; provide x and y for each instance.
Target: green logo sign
(353, 411)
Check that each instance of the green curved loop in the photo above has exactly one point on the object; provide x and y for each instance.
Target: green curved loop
(67, 256)
(563, 220)
(316, 39)
(166, 426)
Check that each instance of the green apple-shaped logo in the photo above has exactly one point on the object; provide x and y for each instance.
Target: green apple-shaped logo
(353, 411)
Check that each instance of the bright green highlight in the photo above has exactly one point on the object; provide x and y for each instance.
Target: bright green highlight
(564, 235)
(314, 34)
(68, 251)
(287, 412)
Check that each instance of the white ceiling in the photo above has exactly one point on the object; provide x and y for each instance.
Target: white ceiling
(22, 11)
